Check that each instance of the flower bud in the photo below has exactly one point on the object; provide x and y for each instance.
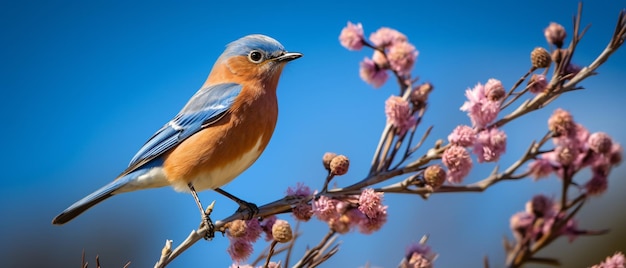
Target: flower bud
(555, 34)
(281, 230)
(538, 83)
(237, 228)
(434, 176)
(540, 58)
(327, 158)
(339, 165)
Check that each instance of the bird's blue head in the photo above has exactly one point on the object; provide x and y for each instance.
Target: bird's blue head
(258, 49)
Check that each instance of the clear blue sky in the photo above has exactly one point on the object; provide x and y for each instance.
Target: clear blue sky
(85, 83)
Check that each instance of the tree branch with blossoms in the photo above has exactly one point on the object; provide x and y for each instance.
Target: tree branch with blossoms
(564, 151)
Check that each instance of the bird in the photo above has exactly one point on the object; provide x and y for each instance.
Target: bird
(219, 133)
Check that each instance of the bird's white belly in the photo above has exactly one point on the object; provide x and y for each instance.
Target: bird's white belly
(218, 177)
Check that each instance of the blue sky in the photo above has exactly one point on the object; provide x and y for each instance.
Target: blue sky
(85, 83)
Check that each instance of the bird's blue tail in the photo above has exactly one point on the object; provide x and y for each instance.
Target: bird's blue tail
(98, 196)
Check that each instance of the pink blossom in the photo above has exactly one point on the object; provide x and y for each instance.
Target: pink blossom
(541, 206)
(370, 202)
(351, 36)
(266, 225)
(416, 261)
(325, 208)
(538, 83)
(494, 90)
(372, 73)
(615, 261)
(402, 56)
(481, 110)
(597, 185)
(521, 223)
(398, 113)
(369, 225)
(600, 143)
(302, 211)
(253, 230)
(463, 136)
(385, 37)
(615, 157)
(561, 123)
(490, 145)
(541, 167)
(555, 34)
(418, 255)
(239, 249)
(458, 161)
(301, 190)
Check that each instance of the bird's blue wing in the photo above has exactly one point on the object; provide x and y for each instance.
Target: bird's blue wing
(208, 105)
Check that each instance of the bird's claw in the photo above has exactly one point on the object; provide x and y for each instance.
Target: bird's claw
(210, 230)
(251, 208)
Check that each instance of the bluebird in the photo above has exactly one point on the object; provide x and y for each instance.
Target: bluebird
(217, 135)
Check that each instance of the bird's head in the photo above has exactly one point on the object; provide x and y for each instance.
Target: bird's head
(254, 57)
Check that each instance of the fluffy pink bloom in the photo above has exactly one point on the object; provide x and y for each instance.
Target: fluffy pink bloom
(372, 73)
(600, 143)
(598, 184)
(386, 36)
(555, 34)
(480, 109)
(253, 230)
(463, 136)
(538, 83)
(369, 225)
(301, 190)
(325, 208)
(418, 255)
(494, 90)
(521, 223)
(416, 261)
(402, 56)
(490, 145)
(615, 157)
(351, 36)
(370, 202)
(541, 167)
(302, 211)
(541, 206)
(615, 261)
(239, 249)
(458, 161)
(561, 123)
(398, 113)
(266, 225)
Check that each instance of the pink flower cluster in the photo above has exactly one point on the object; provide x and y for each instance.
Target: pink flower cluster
(615, 261)
(364, 212)
(418, 255)
(487, 144)
(241, 245)
(576, 149)
(539, 219)
(483, 104)
(392, 52)
(399, 114)
(303, 210)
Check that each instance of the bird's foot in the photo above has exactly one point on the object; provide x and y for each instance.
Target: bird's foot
(210, 230)
(250, 208)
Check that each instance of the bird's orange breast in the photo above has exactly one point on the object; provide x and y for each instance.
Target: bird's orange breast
(217, 154)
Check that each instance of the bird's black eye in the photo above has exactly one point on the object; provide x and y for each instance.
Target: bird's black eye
(255, 56)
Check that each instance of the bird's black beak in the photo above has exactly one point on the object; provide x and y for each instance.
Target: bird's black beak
(288, 56)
